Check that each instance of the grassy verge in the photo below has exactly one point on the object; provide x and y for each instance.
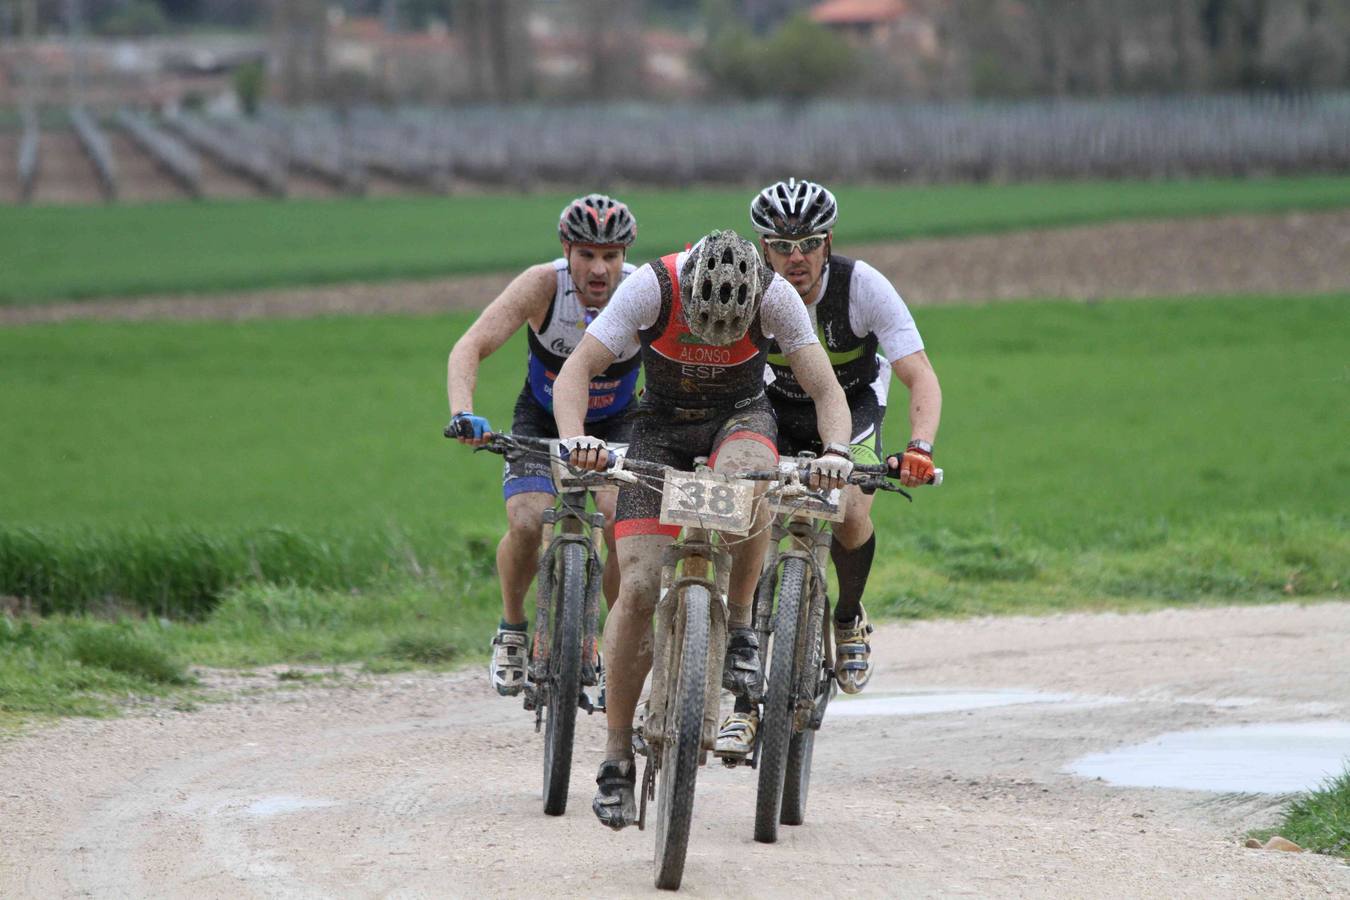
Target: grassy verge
(1319, 820)
(50, 253)
(83, 665)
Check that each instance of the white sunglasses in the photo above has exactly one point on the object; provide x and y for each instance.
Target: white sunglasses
(806, 244)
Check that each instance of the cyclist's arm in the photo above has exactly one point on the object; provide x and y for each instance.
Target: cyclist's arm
(880, 310)
(812, 367)
(572, 389)
(525, 299)
(925, 395)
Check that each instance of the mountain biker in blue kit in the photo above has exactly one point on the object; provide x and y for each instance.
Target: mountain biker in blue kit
(868, 333)
(557, 301)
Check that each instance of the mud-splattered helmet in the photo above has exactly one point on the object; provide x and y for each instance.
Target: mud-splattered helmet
(793, 209)
(597, 219)
(721, 288)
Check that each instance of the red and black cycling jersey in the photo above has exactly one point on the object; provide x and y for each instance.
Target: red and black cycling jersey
(682, 371)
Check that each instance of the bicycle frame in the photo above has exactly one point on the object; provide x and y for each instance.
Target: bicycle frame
(684, 564)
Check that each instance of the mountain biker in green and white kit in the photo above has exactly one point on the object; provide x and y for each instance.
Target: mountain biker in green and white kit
(705, 319)
(558, 301)
(855, 311)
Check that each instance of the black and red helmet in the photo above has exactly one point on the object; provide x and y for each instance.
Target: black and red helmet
(597, 219)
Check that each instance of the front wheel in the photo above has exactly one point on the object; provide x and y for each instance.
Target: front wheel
(564, 673)
(798, 779)
(681, 748)
(780, 700)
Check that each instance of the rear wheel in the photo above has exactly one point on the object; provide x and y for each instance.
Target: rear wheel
(779, 703)
(680, 753)
(564, 668)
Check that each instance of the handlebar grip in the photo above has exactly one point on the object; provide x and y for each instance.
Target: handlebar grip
(611, 458)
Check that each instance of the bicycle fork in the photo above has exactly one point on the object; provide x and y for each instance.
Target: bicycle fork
(563, 525)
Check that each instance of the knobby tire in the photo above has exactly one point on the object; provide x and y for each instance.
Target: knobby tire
(798, 779)
(684, 728)
(569, 602)
(775, 731)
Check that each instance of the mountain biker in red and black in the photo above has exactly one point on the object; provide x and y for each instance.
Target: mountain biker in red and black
(705, 319)
(557, 301)
(857, 313)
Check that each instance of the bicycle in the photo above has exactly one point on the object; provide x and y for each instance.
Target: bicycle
(690, 631)
(799, 679)
(564, 657)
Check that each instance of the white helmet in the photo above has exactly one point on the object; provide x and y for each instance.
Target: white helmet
(793, 209)
(720, 288)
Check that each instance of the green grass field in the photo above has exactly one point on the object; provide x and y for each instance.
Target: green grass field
(51, 253)
(278, 491)
(1133, 449)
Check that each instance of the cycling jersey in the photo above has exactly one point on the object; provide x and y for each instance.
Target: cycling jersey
(564, 324)
(858, 311)
(682, 372)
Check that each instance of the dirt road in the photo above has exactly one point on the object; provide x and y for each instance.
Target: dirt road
(426, 785)
(1297, 253)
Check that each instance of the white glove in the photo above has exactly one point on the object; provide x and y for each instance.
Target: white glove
(831, 470)
(578, 451)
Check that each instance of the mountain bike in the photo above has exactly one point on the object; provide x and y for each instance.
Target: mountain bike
(564, 658)
(690, 631)
(800, 676)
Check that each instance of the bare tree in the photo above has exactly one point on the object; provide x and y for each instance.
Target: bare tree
(497, 46)
(300, 48)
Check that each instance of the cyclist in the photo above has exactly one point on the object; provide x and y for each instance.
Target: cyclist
(855, 311)
(558, 301)
(705, 318)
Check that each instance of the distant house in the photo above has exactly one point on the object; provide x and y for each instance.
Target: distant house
(886, 25)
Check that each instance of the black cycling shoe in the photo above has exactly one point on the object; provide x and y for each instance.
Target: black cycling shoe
(740, 671)
(615, 804)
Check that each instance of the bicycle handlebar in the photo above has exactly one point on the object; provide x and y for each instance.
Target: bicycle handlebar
(873, 477)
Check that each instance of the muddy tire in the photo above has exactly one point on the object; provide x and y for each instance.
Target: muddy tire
(569, 603)
(775, 729)
(684, 735)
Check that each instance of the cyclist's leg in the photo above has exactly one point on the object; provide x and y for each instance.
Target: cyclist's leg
(640, 540)
(747, 441)
(853, 549)
(518, 551)
(527, 486)
(854, 538)
(605, 503)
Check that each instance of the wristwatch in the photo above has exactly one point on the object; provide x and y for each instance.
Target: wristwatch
(841, 449)
(921, 446)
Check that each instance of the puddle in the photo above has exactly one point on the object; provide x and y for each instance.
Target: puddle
(275, 806)
(924, 704)
(1278, 758)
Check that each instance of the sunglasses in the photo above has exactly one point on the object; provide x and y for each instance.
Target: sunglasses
(806, 244)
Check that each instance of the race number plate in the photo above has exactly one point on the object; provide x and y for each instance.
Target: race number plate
(811, 506)
(705, 500)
